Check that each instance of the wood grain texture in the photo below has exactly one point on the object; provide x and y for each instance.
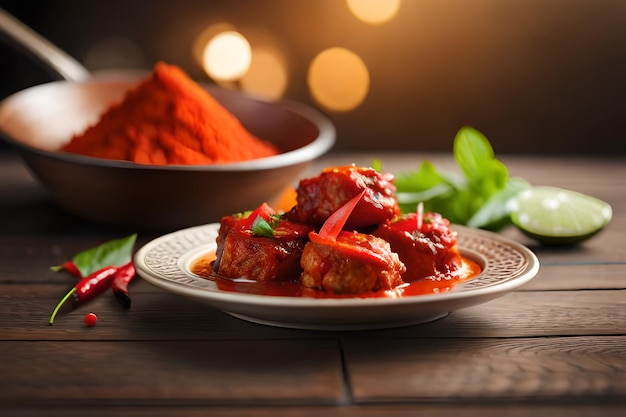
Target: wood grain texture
(519, 368)
(471, 409)
(171, 371)
(24, 314)
(568, 277)
(556, 346)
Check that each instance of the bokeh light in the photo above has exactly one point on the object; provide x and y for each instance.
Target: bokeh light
(374, 11)
(267, 75)
(226, 56)
(203, 39)
(338, 79)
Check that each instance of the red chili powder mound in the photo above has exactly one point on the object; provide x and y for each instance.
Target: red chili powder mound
(169, 119)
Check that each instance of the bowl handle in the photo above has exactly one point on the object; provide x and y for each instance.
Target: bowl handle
(55, 59)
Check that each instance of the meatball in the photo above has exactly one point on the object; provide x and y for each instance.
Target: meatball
(269, 255)
(319, 197)
(427, 251)
(354, 263)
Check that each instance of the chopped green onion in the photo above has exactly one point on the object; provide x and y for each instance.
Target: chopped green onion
(260, 227)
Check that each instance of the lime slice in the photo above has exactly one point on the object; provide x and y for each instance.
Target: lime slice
(557, 216)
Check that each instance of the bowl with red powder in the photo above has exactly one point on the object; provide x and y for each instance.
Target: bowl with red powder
(160, 151)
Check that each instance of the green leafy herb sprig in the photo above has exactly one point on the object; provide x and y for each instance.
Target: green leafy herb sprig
(261, 227)
(477, 198)
(115, 252)
(268, 228)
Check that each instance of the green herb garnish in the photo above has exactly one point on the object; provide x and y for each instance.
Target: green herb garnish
(261, 227)
(476, 198)
(115, 252)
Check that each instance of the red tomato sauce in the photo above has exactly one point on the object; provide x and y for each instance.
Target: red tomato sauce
(431, 285)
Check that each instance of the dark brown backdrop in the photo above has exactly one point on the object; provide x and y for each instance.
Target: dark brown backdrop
(535, 76)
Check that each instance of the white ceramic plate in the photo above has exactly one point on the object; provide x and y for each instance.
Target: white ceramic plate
(506, 265)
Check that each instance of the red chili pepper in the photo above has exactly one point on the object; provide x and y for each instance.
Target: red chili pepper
(334, 225)
(264, 211)
(87, 289)
(335, 222)
(68, 266)
(122, 278)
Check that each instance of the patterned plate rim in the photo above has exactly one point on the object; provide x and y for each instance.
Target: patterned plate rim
(165, 261)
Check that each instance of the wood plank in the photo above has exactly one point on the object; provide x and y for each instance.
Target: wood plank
(576, 277)
(24, 313)
(27, 258)
(527, 313)
(512, 409)
(218, 372)
(545, 369)
(585, 368)
(154, 315)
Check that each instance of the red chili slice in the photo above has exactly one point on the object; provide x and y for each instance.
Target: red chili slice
(335, 222)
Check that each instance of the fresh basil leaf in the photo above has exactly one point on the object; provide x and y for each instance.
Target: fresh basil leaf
(115, 252)
(498, 175)
(477, 198)
(494, 214)
(462, 205)
(494, 180)
(416, 197)
(424, 178)
(472, 152)
(485, 174)
(437, 190)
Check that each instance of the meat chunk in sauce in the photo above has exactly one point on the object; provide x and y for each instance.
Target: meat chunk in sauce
(365, 246)
(270, 253)
(427, 250)
(354, 263)
(319, 197)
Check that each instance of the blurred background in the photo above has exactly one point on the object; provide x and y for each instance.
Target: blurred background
(535, 76)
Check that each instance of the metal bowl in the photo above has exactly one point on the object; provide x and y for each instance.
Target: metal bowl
(38, 120)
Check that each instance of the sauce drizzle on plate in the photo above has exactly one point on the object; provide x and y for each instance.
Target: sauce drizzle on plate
(433, 285)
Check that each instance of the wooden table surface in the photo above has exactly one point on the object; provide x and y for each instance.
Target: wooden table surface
(556, 347)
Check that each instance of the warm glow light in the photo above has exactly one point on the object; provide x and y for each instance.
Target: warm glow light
(338, 79)
(267, 75)
(203, 39)
(227, 56)
(374, 11)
